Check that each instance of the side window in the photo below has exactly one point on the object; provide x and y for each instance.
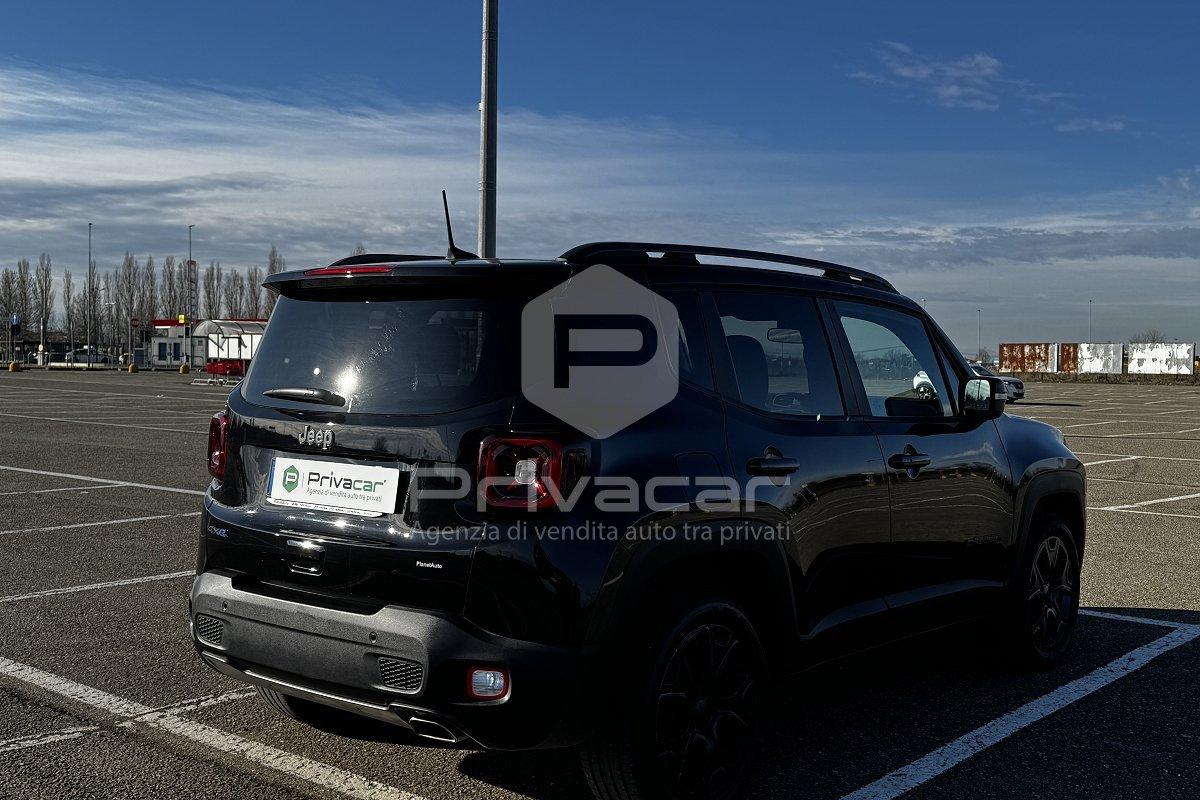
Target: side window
(780, 354)
(694, 365)
(896, 361)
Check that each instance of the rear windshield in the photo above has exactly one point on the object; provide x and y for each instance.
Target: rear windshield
(388, 356)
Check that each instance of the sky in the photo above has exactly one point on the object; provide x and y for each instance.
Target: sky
(1004, 163)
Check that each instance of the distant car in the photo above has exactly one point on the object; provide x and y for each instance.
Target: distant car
(1014, 387)
(923, 386)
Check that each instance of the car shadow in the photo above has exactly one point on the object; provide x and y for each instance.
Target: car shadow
(839, 726)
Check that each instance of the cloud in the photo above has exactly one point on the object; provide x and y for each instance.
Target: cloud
(315, 175)
(972, 81)
(1090, 125)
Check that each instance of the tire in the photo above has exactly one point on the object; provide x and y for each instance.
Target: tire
(688, 733)
(925, 391)
(1043, 604)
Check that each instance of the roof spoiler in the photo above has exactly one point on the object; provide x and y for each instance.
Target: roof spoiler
(686, 254)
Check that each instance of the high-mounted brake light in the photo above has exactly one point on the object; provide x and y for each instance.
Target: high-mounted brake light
(518, 471)
(218, 444)
(372, 269)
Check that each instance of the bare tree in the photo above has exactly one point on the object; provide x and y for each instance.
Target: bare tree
(24, 290)
(233, 293)
(128, 297)
(984, 356)
(254, 292)
(43, 295)
(91, 297)
(275, 263)
(108, 309)
(168, 297)
(1149, 336)
(212, 290)
(70, 309)
(8, 301)
(359, 250)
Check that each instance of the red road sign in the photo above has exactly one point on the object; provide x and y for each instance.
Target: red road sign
(135, 322)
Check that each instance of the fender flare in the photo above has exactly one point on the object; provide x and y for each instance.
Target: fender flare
(1042, 479)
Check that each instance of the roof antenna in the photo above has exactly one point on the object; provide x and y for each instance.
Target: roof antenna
(453, 253)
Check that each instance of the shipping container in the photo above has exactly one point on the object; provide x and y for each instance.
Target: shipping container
(1161, 359)
(1029, 357)
(1100, 358)
(1068, 358)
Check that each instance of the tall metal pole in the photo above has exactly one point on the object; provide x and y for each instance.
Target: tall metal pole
(89, 301)
(191, 274)
(1089, 320)
(978, 333)
(486, 244)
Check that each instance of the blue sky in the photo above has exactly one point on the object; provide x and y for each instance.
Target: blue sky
(1020, 158)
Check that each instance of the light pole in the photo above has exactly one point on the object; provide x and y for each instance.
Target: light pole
(487, 133)
(189, 320)
(89, 301)
(978, 334)
(1090, 320)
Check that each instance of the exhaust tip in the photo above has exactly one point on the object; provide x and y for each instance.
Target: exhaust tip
(435, 731)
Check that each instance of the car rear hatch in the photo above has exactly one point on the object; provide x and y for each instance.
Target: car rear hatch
(365, 388)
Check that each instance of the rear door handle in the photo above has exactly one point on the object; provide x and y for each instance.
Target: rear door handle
(910, 461)
(772, 467)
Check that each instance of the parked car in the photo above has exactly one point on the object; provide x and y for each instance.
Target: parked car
(1014, 388)
(340, 572)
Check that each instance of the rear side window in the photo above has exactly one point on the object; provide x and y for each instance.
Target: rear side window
(694, 365)
(896, 361)
(388, 356)
(780, 354)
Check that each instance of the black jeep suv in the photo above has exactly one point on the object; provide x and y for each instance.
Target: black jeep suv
(386, 532)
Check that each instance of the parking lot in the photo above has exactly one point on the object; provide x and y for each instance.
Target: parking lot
(101, 694)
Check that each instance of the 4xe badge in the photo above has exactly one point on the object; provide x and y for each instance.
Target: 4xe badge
(291, 478)
(315, 436)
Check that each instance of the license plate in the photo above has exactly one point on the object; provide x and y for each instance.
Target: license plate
(329, 486)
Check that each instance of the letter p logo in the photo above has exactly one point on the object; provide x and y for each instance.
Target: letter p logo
(600, 351)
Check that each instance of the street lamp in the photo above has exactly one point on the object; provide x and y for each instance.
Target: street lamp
(978, 333)
(1090, 320)
(87, 302)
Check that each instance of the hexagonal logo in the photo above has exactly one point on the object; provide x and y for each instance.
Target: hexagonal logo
(600, 351)
(291, 478)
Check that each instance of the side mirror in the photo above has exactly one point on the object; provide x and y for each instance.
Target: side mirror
(984, 397)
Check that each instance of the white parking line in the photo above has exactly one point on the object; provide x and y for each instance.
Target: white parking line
(100, 523)
(956, 752)
(66, 489)
(1127, 506)
(1109, 460)
(39, 739)
(1154, 458)
(50, 474)
(15, 598)
(105, 424)
(314, 772)
(1140, 511)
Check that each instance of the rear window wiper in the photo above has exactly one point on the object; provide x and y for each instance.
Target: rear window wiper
(303, 394)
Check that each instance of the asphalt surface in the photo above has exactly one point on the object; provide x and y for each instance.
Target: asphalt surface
(101, 694)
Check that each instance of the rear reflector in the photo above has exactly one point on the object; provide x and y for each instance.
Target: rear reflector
(487, 684)
(373, 269)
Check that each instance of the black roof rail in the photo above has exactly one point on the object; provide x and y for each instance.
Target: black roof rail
(593, 252)
(382, 258)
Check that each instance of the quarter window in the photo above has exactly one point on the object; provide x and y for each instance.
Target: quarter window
(780, 354)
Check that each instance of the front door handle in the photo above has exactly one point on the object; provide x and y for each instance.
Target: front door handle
(909, 461)
(774, 467)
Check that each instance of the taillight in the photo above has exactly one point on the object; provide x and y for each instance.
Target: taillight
(518, 471)
(373, 269)
(218, 444)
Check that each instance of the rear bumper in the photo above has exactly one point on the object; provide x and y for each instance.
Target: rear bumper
(332, 657)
